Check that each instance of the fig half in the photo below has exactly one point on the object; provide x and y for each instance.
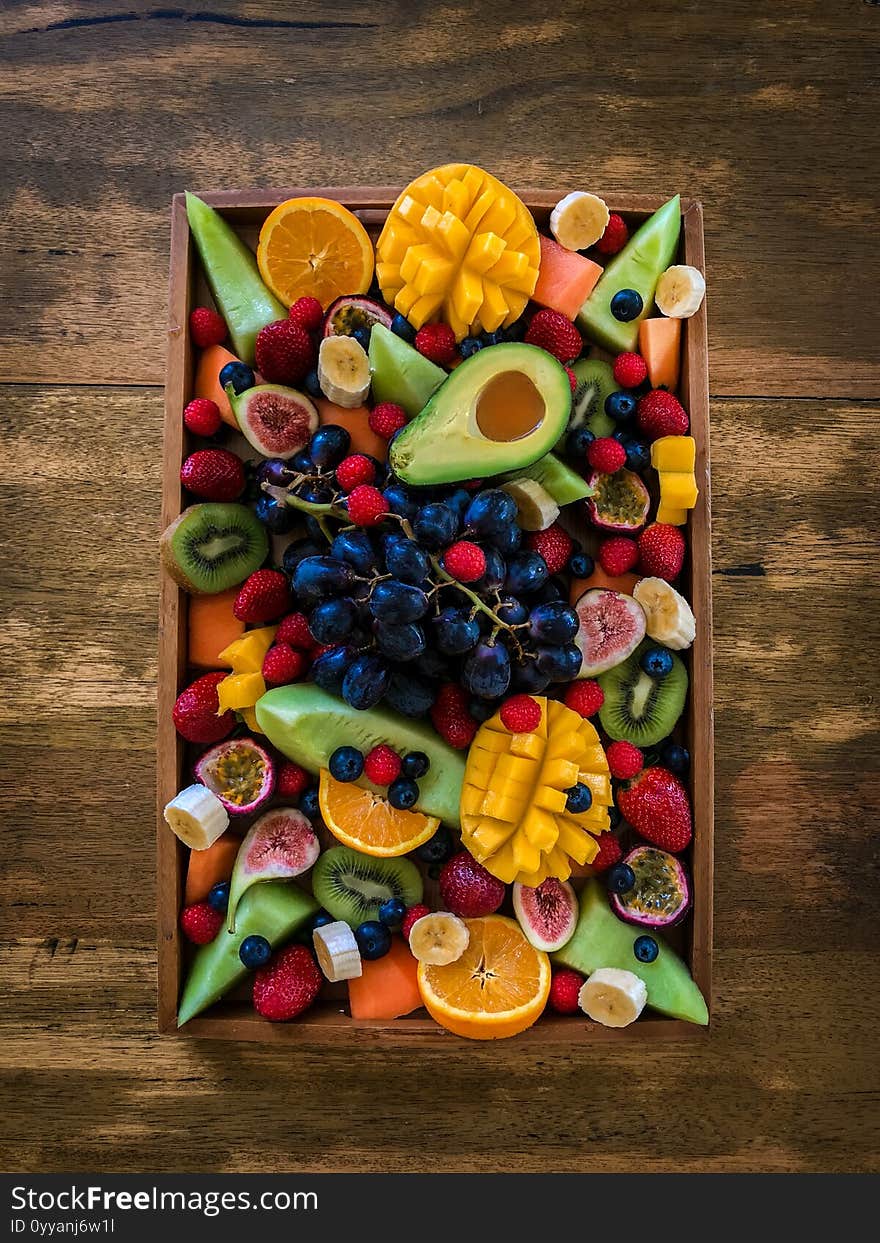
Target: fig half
(282, 844)
(612, 626)
(548, 914)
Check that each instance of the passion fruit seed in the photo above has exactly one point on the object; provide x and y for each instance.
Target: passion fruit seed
(616, 500)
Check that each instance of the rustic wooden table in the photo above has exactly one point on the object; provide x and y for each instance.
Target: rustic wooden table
(765, 112)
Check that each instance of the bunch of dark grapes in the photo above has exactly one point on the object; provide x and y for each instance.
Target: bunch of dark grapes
(393, 626)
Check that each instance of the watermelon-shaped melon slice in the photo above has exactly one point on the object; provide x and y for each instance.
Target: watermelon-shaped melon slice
(565, 278)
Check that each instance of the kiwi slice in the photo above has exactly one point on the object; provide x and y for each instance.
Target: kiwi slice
(213, 547)
(638, 708)
(595, 382)
(352, 886)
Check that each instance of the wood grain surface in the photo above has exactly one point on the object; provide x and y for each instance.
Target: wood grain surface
(764, 112)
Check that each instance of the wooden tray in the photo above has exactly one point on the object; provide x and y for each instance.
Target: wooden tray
(329, 1021)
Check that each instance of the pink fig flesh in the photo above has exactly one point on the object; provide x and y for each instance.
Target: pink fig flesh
(548, 915)
(280, 845)
(277, 421)
(612, 625)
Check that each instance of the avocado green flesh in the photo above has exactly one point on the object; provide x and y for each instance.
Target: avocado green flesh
(560, 481)
(602, 940)
(444, 444)
(273, 909)
(639, 266)
(234, 278)
(400, 373)
(307, 724)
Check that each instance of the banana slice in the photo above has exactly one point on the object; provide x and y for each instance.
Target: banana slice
(680, 291)
(344, 371)
(337, 952)
(668, 617)
(579, 220)
(535, 507)
(439, 938)
(197, 817)
(613, 997)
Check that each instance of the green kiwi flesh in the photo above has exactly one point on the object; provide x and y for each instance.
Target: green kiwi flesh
(213, 547)
(638, 708)
(352, 886)
(595, 382)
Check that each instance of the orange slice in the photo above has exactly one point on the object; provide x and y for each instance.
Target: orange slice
(368, 823)
(498, 987)
(314, 247)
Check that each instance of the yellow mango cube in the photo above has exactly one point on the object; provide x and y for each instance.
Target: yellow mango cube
(527, 745)
(677, 453)
(559, 773)
(675, 517)
(246, 654)
(540, 828)
(549, 798)
(678, 489)
(240, 690)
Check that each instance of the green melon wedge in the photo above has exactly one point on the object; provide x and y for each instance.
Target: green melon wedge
(399, 373)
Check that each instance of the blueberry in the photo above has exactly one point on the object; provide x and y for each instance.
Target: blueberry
(492, 338)
(645, 949)
(391, 913)
(321, 920)
(620, 406)
(657, 662)
(362, 336)
(638, 455)
(312, 385)
(346, 764)
(620, 879)
(626, 305)
(373, 939)
(676, 758)
(275, 515)
(329, 445)
(219, 896)
(401, 327)
(438, 848)
(254, 951)
(470, 346)
(578, 441)
(578, 798)
(415, 764)
(581, 565)
(403, 793)
(308, 803)
(239, 375)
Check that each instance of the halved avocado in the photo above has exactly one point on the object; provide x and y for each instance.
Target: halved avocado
(502, 409)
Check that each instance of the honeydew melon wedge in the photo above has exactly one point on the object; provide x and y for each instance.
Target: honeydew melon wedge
(399, 373)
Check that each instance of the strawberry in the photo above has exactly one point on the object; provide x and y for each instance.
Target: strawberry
(565, 987)
(609, 853)
(465, 561)
(437, 343)
(585, 697)
(284, 352)
(413, 913)
(618, 555)
(554, 544)
(213, 474)
(382, 765)
(450, 716)
(202, 417)
(366, 506)
(308, 313)
(206, 327)
(468, 889)
(283, 664)
(552, 332)
(630, 370)
(291, 780)
(624, 760)
(387, 418)
(294, 629)
(195, 712)
(656, 804)
(606, 455)
(521, 714)
(660, 414)
(288, 984)
(262, 597)
(200, 923)
(354, 470)
(615, 237)
(661, 551)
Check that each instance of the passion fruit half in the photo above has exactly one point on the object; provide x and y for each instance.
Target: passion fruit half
(620, 502)
(661, 896)
(348, 313)
(240, 773)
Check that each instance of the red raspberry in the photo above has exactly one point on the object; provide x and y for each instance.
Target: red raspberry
(284, 352)
(554, 544)
(661, 551)
(606, 455)
(437, 342)
(465, 561)
(366, 506)
(565, 987)
(451, 718)
(283, 664)
(354, 470)
(262, 597)
(308, 313)
(585, 697)
(618, 555)
(200, 923)
(294, 629)
(572, 379)
(660, 414)
(382, 765)
(624, 760)
(521, 714)
(609, 853)
(387, 418)
(195, 714)
(213, 474)
(630, 370)
(206, 327)
(552, 332)
(414, 913)
(291, 780)
(202, 417)
(615, 237)
(288, 984)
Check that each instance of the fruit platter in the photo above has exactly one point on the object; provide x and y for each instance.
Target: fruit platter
(435, 660)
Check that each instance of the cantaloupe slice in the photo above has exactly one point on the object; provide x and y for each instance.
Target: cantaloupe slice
(206, 383)
(598, 580)
(206, 868)
(660, 346)
(565, 278)
(357, 424)
(212, 627)
(388, 987)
